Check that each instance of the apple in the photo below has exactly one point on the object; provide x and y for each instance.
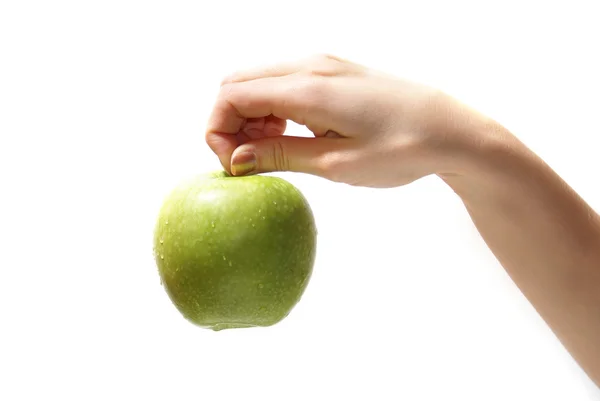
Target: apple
(235, 252)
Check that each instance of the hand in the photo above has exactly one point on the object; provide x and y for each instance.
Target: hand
(374, 130)
(369, 129)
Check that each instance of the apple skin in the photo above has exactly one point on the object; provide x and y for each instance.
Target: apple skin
(235, 252)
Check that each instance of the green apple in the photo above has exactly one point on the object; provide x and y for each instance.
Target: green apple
(235, 252)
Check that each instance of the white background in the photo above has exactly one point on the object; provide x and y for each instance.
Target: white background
(102, 111)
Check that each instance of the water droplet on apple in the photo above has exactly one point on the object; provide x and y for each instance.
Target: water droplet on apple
(259, 211)
(212, 224)
(261, 285)
(162, 256)
(224, 258)
(274, 202)
(167, 222)
(263, 218)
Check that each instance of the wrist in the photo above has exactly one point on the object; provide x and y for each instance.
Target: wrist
(480, 152)
(460, 141)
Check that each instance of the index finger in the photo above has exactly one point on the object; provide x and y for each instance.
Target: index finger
(290, 98)
(271, 71)
(319, 64)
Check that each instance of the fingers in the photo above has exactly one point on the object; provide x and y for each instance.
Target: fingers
(289, 98)
(257, 103)
(223, 146)
(285, 153)
(271, 71)
(265, 126)
(318, 65)
(264, 104)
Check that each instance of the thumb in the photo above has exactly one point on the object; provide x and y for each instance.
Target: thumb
(284, 153)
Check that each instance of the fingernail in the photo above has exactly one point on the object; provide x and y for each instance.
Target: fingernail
(243, 163)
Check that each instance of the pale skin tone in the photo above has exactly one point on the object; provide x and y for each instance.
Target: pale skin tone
(375, 130)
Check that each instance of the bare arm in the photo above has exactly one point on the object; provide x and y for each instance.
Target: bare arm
(374, 130)
(544, 235)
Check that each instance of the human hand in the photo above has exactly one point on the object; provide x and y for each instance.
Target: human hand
(370, 129)
(379, 131)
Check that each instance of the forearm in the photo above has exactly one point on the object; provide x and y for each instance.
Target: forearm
(544, 235)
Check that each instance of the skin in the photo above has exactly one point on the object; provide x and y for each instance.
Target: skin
(375, 130)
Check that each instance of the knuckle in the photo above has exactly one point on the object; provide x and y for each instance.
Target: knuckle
(304, 97)
(312, 90)
(327, 65)
(225, 91)
(279, 157)
(327, 58)
(229, 100)
(228, 79)
(324, 65)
